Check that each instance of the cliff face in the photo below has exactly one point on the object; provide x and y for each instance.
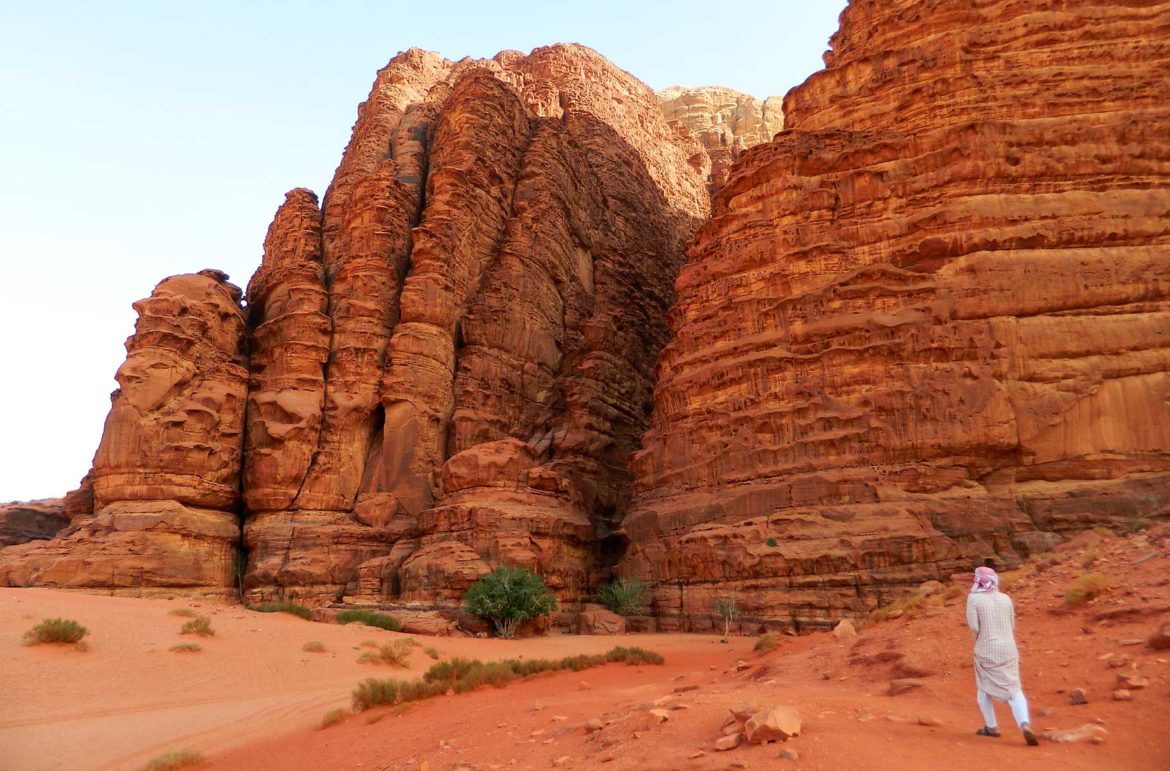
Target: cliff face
(724, 121)
(443, 365)
(929, 323)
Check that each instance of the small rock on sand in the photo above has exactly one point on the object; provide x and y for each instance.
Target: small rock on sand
(789, 754)
(729, 742)
(845, 631)
(773, 724)
(1078, 696)
(1122, 694)
(903, 685)
(1088, 732)
(1160, 640)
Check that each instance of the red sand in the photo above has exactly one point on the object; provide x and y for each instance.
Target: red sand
(252, 699)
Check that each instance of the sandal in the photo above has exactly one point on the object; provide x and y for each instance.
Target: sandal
(985, 731)
(1030, 737)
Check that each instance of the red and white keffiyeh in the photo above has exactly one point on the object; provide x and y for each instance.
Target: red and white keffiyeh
(986, 580)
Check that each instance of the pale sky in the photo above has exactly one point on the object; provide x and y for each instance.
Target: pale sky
(143, 139)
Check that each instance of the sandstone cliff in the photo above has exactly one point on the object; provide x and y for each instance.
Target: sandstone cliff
(449, 358)
(724, 121)
(24, 521)
(929, 323)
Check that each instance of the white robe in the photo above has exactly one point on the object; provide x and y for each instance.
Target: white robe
(992, 619)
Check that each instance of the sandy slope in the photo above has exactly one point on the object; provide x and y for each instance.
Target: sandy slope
(252, 699)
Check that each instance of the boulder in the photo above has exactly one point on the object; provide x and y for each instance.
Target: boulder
(773, 724)
(597, 619)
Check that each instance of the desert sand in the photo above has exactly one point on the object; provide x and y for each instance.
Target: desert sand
(253, 699)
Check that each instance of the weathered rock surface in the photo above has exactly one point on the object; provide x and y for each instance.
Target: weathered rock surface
(929, 323)
(23, 521)
(724, 121)
(773, 724)
(449, 359)
(597, 619)
(158, 508)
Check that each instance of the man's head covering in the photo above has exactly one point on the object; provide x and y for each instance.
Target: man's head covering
(986, 580)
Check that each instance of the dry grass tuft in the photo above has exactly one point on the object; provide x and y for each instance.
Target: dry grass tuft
(175, 759)
(395, 653)
(200, 625)
(56, 631)
(1086, 588)
(187, 648)
(767, 642)
(333, 717)
(313, 646)
(184, 612)
(432, 652)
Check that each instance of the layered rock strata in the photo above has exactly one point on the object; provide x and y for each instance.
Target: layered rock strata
(465, 368)
(24, 521)
(159, 508)
(725, 121)
(449, 357)
(928, 324)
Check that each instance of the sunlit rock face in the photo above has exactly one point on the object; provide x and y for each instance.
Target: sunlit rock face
(928, 324)
(726, 122)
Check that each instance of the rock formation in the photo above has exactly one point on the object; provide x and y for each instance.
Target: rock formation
(927, 324)
(725, 121)
(24, 521)
(158, 510)
(449, 357)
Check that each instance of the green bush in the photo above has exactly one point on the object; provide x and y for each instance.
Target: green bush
(199, 625)
(461, 675)
(56, 630)
(625, 596)
(1086, 588)
(313, 646)
(508, 597)
(727, 607)
(285, 606)
(432, 652)
(369, 618)
(772, 542)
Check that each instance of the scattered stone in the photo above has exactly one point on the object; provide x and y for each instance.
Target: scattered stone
(789, 754)
(729, 742)
(1122, 694)
(660, 715)
(865, 717)
(733, 727)
(1088, 732)
(559, 718)
(582, 686)
(563, 760)
(1129, 642)
(695, 755)
(903, 685)
(773, 724)
(899, 719)
(1044, 711)
(1160, 640)
(845, 631)
(1121, 661)
(929, 720)
(1078, 696)
(746, 710)
(741, 665)
(928, 588)
(593, 726)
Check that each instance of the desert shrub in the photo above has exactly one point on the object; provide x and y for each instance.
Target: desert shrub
(333, 717)
(1140, 524)
(767, 642)
(625, 596)
(728, 609)
(313, 646)
(952, 591)
(175, 759)
(461, 675)
(285, 606)
(1008, 580)
(187, 648)
(1103, 531)
(184, 612)
(772, 542)
(508, 597)
(432, 652)
(55, 631)
(1045, 561)
(200, 625)
(369, 618)
(1086, 588)
(395, 653)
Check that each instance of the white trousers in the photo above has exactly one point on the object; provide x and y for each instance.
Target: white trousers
(1018, 703)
